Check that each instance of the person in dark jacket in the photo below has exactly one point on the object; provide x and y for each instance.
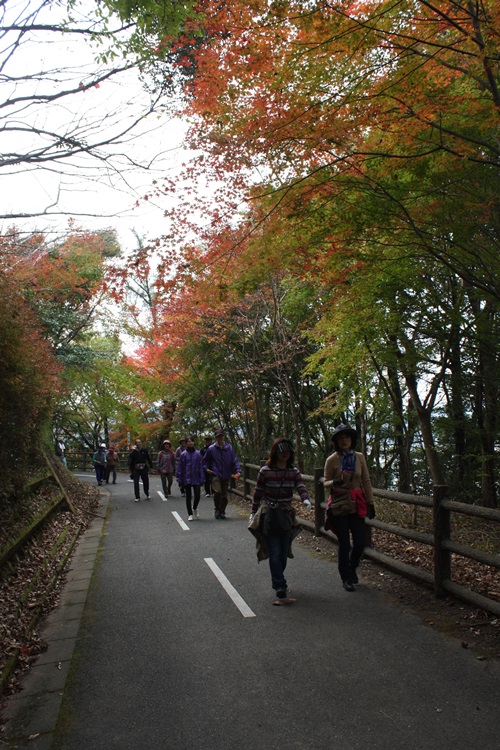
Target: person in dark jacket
(191, 476)
(99, 459)
(112, 461)
(222, 463)
(140, 463)
(350, 501)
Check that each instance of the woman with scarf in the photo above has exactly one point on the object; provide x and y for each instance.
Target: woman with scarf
(350, 501)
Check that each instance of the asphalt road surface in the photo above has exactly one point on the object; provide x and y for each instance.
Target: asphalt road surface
(180, 648)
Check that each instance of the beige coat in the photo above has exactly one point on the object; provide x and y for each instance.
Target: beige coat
(361, 479)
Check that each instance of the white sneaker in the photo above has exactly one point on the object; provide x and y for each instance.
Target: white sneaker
(196, 514)
(190, 518)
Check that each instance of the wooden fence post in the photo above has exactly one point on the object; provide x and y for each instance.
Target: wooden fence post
(246, 486)
(319, 497)
(442, 557)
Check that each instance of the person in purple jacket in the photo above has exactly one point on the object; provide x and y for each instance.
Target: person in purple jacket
(191, 476)
(221, 461)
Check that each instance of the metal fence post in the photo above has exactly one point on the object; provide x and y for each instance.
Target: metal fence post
(442, 556)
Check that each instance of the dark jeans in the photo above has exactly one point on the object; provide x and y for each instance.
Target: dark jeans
(110, 470)
(99, 473)
(349, 557)
(196, 490)
(144, 475)
(278, 545)
(166, 482)
(208, 484)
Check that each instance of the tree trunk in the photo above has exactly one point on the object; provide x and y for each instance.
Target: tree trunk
(402, 437)
(424, 420)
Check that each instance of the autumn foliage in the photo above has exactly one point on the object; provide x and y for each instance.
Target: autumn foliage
(28, 384)
(346, 167)
(48, 293)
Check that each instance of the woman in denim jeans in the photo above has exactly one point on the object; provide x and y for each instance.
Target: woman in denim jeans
(272, 511)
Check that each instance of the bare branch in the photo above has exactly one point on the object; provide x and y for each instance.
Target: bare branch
(79, 122)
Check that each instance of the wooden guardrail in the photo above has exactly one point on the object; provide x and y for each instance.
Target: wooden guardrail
(440, 539)
(82, 460)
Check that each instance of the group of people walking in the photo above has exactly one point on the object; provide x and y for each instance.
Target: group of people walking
(273, 521)
(212, 467)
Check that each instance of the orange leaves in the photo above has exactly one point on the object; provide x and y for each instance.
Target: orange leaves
(328, 135)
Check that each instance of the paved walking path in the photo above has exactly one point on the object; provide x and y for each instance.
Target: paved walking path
(166, 639)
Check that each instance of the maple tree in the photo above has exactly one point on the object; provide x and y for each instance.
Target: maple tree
(358, 138)
(64, 281)
(390, 111)
(28, 382)
(343, 264)
(59, 286)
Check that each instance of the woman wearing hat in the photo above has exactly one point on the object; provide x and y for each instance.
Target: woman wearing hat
(273, 521)
(350, 501)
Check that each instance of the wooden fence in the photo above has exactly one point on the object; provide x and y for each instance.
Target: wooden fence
(443, 546)
(82, 460)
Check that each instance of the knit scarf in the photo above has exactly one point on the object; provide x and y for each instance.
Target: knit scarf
(348, 462)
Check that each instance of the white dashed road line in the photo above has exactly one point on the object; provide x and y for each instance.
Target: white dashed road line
(179, 520)
(229, 588)
(165, 499)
